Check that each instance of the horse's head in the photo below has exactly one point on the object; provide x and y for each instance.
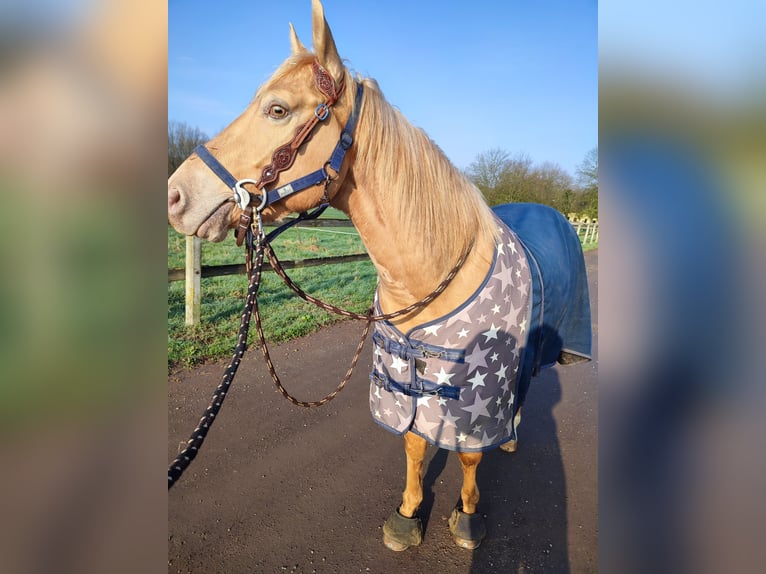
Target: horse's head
(200, 203)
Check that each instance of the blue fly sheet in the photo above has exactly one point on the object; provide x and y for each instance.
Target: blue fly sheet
(560, 329)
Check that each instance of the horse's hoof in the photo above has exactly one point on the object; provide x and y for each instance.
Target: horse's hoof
(468, 530)
(400, 532)
(510, 446)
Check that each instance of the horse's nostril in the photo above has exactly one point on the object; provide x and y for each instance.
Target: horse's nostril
(174, 200)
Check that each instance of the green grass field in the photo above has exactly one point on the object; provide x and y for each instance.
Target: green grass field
(285, 316)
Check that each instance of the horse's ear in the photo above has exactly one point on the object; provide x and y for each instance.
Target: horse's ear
(324, 45)
(295, 44)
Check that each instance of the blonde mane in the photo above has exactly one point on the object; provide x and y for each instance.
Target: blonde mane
(435, 204)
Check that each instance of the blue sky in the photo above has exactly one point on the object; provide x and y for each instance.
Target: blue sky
(699, 45)
(521, 76)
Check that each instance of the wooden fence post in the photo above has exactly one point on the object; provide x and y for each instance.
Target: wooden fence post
(193, 276)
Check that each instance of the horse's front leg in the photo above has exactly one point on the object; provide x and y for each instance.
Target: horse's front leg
(403, 528)
(466, 525)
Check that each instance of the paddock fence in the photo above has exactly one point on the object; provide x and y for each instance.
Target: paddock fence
(586, 228)
(194, 271)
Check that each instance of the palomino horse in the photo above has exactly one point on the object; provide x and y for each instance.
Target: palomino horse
(455, 372)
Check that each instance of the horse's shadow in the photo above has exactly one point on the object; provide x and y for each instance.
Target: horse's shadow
(523, 494)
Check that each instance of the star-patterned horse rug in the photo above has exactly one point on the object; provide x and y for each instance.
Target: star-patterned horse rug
(458, 381)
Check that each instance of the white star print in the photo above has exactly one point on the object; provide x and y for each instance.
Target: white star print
(433, 330)
(462, 334)
(512, 245)
(423, 401)
(495, 309)
(476, 429)
(377, 392)
(443, 377)
(461, 437)
(477, 380)
(494, 357)
(481, 318)
(523, 325)
(501, 373)
(398, 364)
(441, 401)
(491, 334)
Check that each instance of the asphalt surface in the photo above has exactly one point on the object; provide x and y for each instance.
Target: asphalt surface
(279, 488)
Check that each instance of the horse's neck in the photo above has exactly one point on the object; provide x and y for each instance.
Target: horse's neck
(406, 270)
(394, 250)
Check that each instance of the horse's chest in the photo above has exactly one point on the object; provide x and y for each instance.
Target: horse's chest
(453, 380)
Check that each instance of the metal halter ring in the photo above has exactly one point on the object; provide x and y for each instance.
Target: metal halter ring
(242, 196)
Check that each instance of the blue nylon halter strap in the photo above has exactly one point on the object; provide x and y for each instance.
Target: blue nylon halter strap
(216, 166)
(314, 178)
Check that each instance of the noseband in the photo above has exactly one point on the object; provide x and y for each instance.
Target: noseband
(284, 156)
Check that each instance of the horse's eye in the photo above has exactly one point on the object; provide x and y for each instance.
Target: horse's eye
(277, 111)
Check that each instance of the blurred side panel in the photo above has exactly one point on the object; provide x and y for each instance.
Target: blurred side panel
(82, 291)
(682, 191)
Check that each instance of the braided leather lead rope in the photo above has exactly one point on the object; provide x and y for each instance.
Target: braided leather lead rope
(193, 445)
(280, 387)
(369, 317)
(277, 266)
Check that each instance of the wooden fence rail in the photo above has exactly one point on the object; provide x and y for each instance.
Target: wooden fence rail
(239, 268)
(587, 231)
(194, 271)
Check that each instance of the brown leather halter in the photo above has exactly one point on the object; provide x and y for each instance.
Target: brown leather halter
(284, 156)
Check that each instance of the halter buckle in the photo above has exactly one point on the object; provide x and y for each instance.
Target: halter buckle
(322, 111)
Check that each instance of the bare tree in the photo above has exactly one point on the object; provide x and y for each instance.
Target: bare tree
(182, 139)
(487, 169)
(587, 171)
(515, 184)
(549, 182)
(587, 180)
